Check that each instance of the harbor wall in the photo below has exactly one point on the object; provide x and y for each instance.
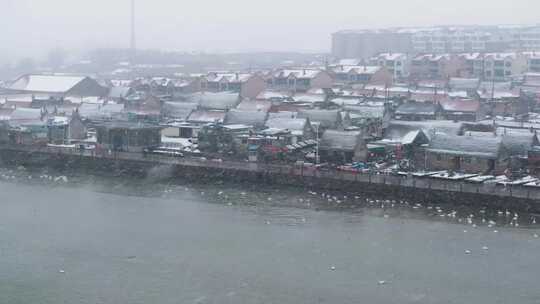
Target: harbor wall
(417, 189)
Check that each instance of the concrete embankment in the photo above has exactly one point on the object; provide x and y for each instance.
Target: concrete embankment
(420, 189)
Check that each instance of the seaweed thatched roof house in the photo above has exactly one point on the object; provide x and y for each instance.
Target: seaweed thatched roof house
(342, 147)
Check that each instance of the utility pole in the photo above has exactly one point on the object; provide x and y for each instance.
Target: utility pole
(317, 154)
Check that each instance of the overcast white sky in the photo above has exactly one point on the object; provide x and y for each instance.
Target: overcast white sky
(31, 27)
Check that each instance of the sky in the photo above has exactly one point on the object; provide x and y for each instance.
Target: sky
(32, 27)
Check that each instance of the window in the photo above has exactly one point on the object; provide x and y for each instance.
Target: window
(439, 157)
(467, 160)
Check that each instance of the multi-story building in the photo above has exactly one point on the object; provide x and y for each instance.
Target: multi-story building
(525, 39)
(299, 80)
(353, 75)
(473, 65)
(437, 66)
(502, 66)
(533, 61)
(247, 84)
(396, 63)
(447, 39)
(367, 43)
(496, 66)
(442, 40)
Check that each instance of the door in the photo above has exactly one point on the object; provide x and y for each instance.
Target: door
(456, 163)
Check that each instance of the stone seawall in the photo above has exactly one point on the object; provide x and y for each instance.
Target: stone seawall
(416, 189)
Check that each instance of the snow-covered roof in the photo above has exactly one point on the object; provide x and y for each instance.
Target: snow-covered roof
(309, 98)
(429, 127)
(463, 83)
(345, 101)
(291, 124)
(499, 94)
(484, 147)
(58, 121)
(255, 105)
(500, 56)
(497, 86)
(282, 114)
(297, 73)
(416, 108)
(97, 111)
(46, 83)
(326, 118)
(349, 61)
(390, 56)
(410, 137)
(470, 56)
(206, 116)
(179, 110)
(340, 140)
(269, 95)
(250, 118)
(215, 101)
(85, 99)
(432, 57)
(228, 77)
(119, 92)
(460, 105)
(357, 69)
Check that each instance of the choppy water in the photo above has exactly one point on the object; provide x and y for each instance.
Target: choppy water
(98, 240)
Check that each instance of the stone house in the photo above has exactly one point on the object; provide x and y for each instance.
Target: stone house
(341, 147)
(325, 119)
(371, 118)
(470, 154)
(299, 128)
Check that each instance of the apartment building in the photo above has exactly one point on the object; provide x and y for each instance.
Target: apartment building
(502, 66)
(367, 43)
(497, 66)
(396, 63)
(445, 39)
(437, 66)
(533, 61)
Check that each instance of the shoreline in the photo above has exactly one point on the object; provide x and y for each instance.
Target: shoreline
(386, 186)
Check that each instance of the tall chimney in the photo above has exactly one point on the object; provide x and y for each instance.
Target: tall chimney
(133, 45)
